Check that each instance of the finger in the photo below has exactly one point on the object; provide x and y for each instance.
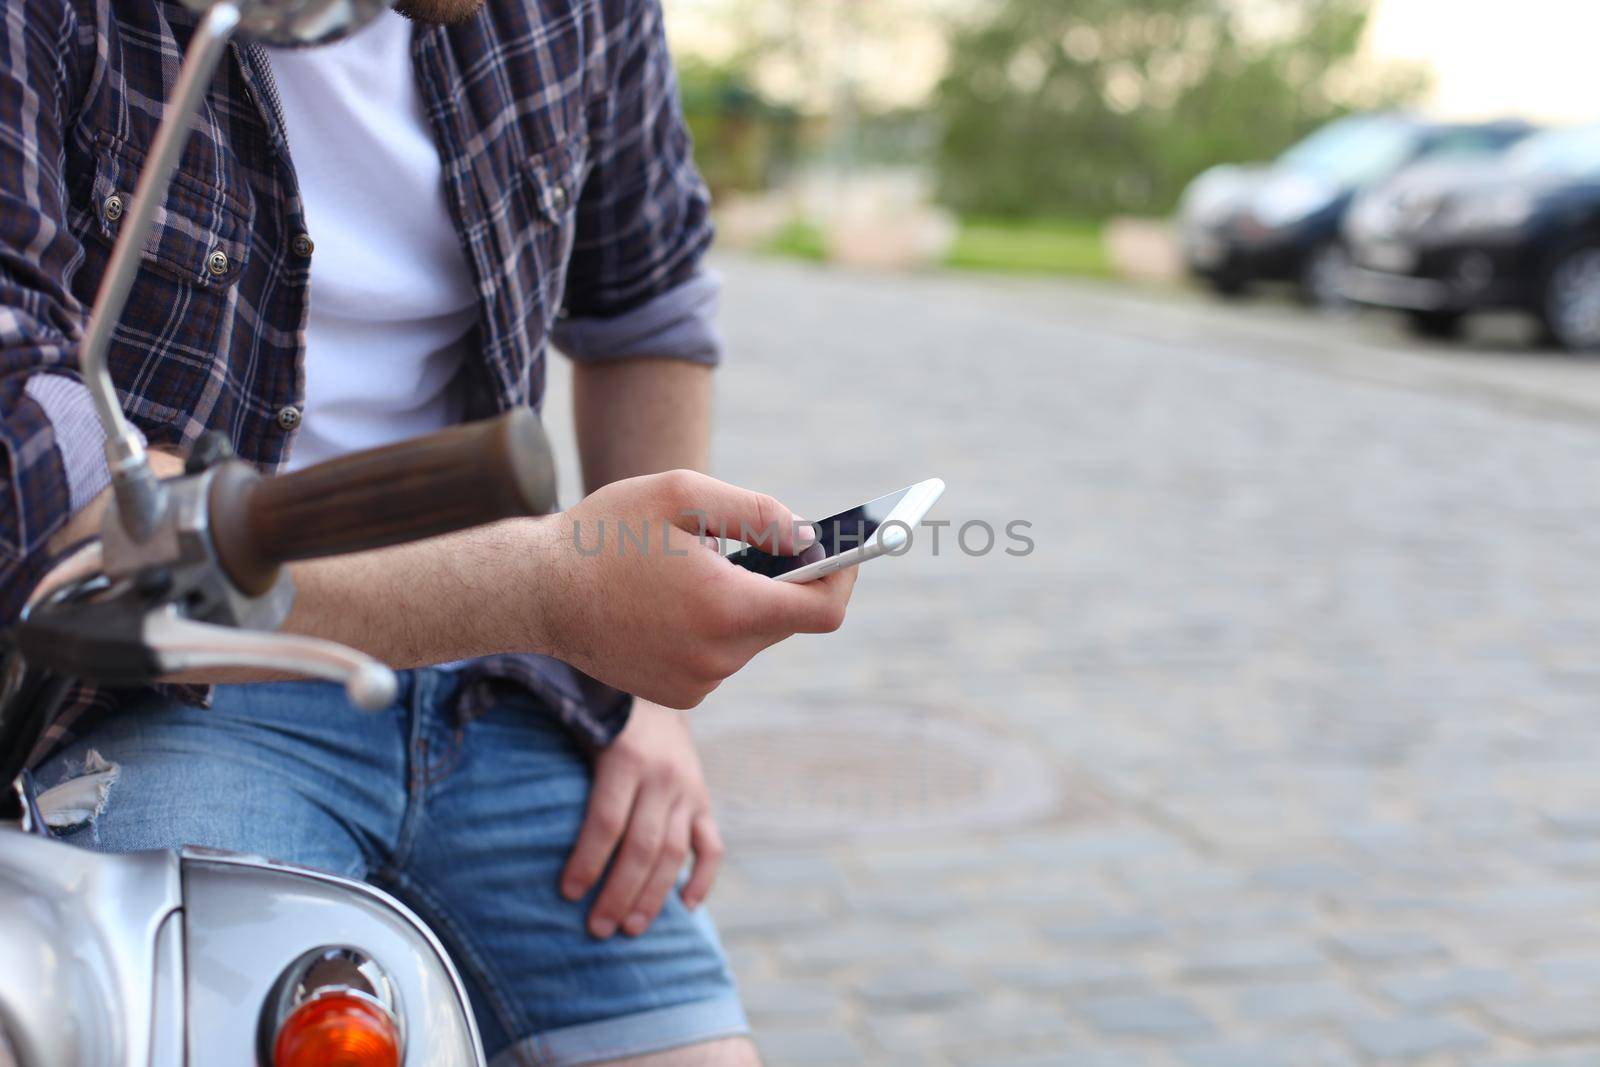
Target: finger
(800, 607)
(841, 584)
(706, 841)
(708, 508)
(610, 801)
(644, 909)
(635, 859)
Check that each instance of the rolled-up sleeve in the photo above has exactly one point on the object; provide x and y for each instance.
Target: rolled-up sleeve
(644, 214)
(678, 324)
(79, 438)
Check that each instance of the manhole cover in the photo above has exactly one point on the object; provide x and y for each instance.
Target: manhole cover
(784, 773)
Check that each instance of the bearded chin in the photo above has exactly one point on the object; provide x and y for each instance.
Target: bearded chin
(439, 12)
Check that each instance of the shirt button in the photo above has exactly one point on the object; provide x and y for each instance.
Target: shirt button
(112, 208)
(558, 198)
(288, 417)
(217, 262)
(302, 246)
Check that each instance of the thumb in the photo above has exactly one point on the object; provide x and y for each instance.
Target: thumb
(709, 508)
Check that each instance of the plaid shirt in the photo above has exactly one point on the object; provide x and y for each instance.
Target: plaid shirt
(567, 171)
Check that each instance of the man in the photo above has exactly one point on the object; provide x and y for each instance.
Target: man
(363, 243)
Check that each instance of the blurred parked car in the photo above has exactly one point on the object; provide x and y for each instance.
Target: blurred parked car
(1281, 221)
(1522, 233)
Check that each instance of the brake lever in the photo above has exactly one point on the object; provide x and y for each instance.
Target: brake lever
(181, 644)
(117, 633)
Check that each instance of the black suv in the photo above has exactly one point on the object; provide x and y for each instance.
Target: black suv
(1281, 221)
(1523, 233)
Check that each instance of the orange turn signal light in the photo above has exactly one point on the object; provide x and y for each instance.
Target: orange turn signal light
(337, 1030)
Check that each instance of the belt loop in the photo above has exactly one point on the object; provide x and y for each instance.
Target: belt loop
(417, 699)
(414, 699)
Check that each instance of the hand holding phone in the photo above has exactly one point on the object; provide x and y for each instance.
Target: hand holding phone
(850, 538)
(657, 612)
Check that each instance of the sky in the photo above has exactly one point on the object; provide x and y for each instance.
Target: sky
(1535, 58)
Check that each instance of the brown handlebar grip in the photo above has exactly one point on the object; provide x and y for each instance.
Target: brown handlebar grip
(457, 478)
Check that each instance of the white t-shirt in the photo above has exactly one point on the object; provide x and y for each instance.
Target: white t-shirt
(392, 295)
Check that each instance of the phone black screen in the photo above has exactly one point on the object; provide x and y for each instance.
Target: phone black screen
(835, 534)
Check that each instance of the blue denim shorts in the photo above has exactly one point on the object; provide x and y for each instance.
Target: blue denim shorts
(469, 823)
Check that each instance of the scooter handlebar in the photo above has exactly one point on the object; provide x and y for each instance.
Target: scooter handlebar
(465, 476)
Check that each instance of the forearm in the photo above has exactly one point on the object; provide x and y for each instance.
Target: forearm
(454, 597)
(641, 416)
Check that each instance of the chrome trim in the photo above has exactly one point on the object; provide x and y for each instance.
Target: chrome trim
(184, 549)
(301, 23)
(355, 974)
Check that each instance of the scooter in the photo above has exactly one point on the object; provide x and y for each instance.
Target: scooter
(196, 956)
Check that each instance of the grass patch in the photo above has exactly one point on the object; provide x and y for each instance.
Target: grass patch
(799, 240)
(1030, 246)
(1011, 246)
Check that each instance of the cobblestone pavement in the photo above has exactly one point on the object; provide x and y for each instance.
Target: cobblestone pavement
(1283, 747)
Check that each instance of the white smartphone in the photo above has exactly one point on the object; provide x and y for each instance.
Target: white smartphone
(876, 528)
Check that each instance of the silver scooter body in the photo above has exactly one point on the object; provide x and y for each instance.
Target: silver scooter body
(154, 959)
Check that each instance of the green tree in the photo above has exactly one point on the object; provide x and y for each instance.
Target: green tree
(742, 140)
(1094, 107)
